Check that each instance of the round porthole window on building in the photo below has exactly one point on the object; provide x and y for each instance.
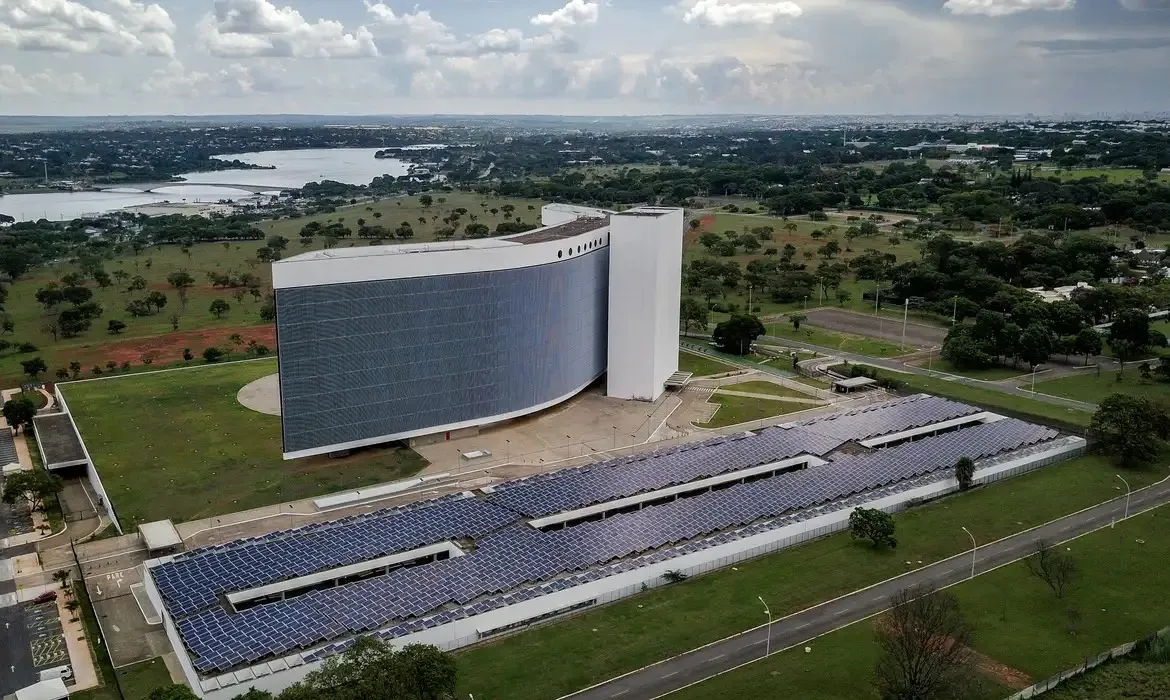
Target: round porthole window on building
(560, 253)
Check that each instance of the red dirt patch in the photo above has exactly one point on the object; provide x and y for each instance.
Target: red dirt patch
(168, 347)
(1001, 673)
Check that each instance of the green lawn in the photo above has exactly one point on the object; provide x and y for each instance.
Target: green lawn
(1113, 174)
(179, 445)
(734, 410)
(989, 374)
(770, 388)
(990, 398)
(1088, 386)
(837, 341)
(156, 263)
(1017, 622)
(1119, 680)
(701, 365)
(559, 658)
(812, 382)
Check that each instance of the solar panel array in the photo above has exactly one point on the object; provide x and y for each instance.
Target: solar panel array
(193, 581)
(889, 417)
(518, 555)
(585, 486)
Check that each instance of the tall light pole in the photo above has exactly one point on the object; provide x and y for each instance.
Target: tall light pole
(955, 312)
(974, 547)
(905, 314)
(1127, 492)
(749, 308)
(768, 640)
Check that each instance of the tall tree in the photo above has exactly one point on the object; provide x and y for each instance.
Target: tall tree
(925, 647)
(1130, 429)
(692, 313)
(736, 334)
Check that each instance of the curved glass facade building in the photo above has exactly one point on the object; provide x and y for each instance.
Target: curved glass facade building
(394, 342)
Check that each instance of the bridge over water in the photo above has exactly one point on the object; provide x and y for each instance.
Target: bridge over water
(153, 187)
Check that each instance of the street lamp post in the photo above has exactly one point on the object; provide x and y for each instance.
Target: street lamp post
(1127, 492)
(974, 547)
(905, 314)
(615, 437)
(749, 308)
(768, 639)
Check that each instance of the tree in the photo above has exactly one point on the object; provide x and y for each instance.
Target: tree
(277, 242)
(372, 670)
(213, 354)
(796, 320)
(137, 284)
(75, 369)
(1053, 567)
(114, 327)
(178, 691)
(19, 412)
(77, 295)
(426, 200)
(874, 525)
(965, 473)
(1088, 343)
(1130, 333)
(157, 299)
(692, 313)
(187, 355)
(219, 307)
(925, 644)
(34, 487)
(843, 296)
(736, 334)
(34, 367)
(829, 250)
(50, 296)
(1035, 345)
(1130, 429)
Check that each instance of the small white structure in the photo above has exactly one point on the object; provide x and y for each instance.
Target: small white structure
(160, 537)
(53, 689)
(1059, 293)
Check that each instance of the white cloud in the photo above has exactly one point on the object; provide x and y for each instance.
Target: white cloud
(573, 13)
(1146, 4)
(415, 25)
(236, 80)
(726, 13)
(124, 27)
(501, 41)
(1000, 8)
(14, 83)
(250, 28)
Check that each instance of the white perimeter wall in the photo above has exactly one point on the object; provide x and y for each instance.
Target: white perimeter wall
(277, 675)
(645, 277)
(91, 472)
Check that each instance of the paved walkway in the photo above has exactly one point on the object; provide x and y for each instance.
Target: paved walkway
(800, 628)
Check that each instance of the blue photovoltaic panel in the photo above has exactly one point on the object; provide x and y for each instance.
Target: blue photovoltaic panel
(888, 417)
(584, 486)
(518, 555)
(194, 581)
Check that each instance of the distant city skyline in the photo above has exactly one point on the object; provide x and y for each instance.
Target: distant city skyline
(584, 57)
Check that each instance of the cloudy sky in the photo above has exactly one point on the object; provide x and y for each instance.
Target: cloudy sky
(584, 56)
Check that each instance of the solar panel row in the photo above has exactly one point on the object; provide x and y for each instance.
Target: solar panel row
(518, 554)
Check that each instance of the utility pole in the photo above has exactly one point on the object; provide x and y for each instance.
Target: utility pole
(905, 314)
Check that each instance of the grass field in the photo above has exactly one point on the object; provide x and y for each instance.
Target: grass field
(837, 341)
(1114, 175)
(734, 410)
(701, 365)
(1017, 622)
(1087, 386)
(550, 661)
(97, 346)
(990, 398)
(183, 433)
(770, 388)
(811, 382)
(1119, 680)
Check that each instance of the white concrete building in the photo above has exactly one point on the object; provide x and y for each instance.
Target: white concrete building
(433, 340)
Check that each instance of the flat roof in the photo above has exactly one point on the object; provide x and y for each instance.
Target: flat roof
(160, 535)
(58, 440)
(566, 230)
(52, 689)
(854, 382)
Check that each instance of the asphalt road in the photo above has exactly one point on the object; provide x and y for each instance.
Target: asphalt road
(16, 664)
(797, 629)
(897, 366)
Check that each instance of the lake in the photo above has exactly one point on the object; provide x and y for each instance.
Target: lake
(355, 166)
